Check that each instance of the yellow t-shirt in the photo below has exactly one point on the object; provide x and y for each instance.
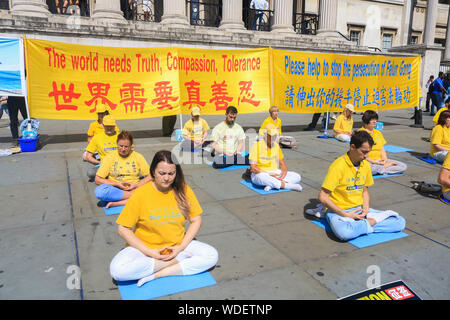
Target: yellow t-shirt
(343, 124)
(266, 159)
(96, 127)
(266, 122)
(379, 141)
(226, 137)
(195, 130)
(116, 168)
(439, 135)
(446, 165)
(102, 144)
(346, 183)
(436, 116)
(157, 217)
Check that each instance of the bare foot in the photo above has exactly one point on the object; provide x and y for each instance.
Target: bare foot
(372, 222)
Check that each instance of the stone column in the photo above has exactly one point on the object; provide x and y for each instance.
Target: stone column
(108, 10)
(447, 39)
(33, 8)
(282, 22)
(232, 15)
(328, 18)
(430, 22)
(175, 13)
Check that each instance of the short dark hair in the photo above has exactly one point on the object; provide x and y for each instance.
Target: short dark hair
(369, 115)
(360, 137)
(231, 109)
(448, 100)
(443, 116)
(441, 73)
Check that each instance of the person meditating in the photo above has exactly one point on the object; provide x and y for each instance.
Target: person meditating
(344, 124)
(195, 132)
(267, 165)
(440, 137)
(120, 171)
(103, 142)
(379, 162)
(153, 225)
(444, 178)
(345, 194)
(283, 141)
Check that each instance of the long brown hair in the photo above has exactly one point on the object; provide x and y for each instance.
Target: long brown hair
(178, 185)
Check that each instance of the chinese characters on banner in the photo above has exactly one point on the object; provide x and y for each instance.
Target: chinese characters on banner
(154, 82)
(321, 82)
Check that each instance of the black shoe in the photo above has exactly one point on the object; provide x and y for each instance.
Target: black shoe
(309, 129)
(432, 114)
(247, 175)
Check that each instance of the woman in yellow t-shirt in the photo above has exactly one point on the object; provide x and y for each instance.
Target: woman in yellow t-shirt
(379, 162)
(267, 166)
(344, 124)
(444, 178)
(440, 137)
(159, 245)
(119, 173)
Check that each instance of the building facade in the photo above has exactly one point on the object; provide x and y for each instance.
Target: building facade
(375, 27)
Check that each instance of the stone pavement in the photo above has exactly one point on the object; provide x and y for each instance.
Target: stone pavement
(268, 247)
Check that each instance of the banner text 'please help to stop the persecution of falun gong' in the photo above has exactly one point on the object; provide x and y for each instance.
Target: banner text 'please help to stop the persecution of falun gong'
(320, 82)
(68, 81)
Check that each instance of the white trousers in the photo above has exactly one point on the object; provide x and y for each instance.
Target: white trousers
(132, 264)
(343, 137)
(265, 179)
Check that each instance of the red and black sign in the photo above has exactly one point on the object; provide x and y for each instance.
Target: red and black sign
(397, 290)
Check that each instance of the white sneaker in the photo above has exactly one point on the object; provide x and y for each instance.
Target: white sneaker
(267, 188)
(318, 212)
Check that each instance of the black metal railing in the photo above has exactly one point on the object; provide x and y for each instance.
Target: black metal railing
(69, 7)
(142, 10)
(4, 4)
(306, 23)
(260, 20)
(204, 13)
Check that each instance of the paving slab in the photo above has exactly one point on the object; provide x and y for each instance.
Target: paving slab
(35, 261)
(34, 204)
(287, 283)
(401, 259)
(98, 243)
(243, 253)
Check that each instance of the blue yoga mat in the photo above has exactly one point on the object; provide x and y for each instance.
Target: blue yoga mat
(380, 176)
(192, 150)
(395, 149)
(259, 189)
(441, 197)
(428, 159)
(366, 240)
(164, 286)
(113, 210)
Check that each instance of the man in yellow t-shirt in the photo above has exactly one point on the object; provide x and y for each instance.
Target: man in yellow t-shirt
(345, 194)
(195, 132)
(444, 178)
(344, 124)
(101, 144)
(267, 164)
(283, 141)
(228, 139)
